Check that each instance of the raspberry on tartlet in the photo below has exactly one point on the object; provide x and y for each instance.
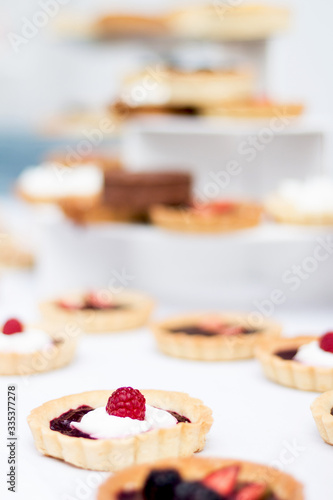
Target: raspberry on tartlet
(127, 402)
(11, 326)
(326, 342)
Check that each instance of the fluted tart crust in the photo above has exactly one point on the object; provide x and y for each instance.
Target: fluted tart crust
(136, 307)
(322, 413)
(293, 373)
(183, 439)
(216, 347)
(57, 354)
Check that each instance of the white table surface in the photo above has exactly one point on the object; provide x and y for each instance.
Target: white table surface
(254, 418)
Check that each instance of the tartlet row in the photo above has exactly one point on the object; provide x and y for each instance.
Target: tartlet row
(304, 362)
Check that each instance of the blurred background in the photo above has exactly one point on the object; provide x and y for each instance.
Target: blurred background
(73, 76)
(50, 74)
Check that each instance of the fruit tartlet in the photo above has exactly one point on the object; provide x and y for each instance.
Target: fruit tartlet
(307, 202)
(213, 217)
(184, 91)
(212, 336)
(201, 479)
(99, 311)
(76, 188)
(222, 21)
(98, 431)
(322, 411)
(27, 349)
(304, 363)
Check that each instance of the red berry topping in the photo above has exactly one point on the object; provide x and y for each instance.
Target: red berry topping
(71, 305)
(233, 330)
(326, 342)
(99, 300)
(254, 491)
(215, 325)
(127, 402)
(221, 207)
(12, 326)
(222, 481)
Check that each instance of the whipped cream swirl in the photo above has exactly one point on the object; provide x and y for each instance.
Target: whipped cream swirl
(100, 425)
(28, 341)
(311, 354)
(314, 196)
(53, 180)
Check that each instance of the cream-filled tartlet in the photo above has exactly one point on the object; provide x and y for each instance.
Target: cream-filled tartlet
(78, 187)
(100, 310)
(303, 202)
(26, 349)
(98, 431)
(304, 363)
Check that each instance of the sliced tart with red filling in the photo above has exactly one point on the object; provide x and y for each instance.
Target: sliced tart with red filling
(201, 479)
(211, 217)
(27, 349)
(213, 336)
(108, 431)
(99, 311)
(304, 363)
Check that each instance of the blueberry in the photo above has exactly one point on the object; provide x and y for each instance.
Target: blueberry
(160, 484)
(194, 491)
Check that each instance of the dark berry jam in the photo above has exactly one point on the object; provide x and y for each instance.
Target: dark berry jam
(180, 418)
(62, 423)
(111, 307)
(286, 354)
(197, 330)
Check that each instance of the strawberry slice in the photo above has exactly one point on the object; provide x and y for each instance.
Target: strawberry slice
(254, 491)
(232, 330)
(215, 325)
(220, 207)
(70, 304)
(98, 300)
(222, 481)
(211, 324)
